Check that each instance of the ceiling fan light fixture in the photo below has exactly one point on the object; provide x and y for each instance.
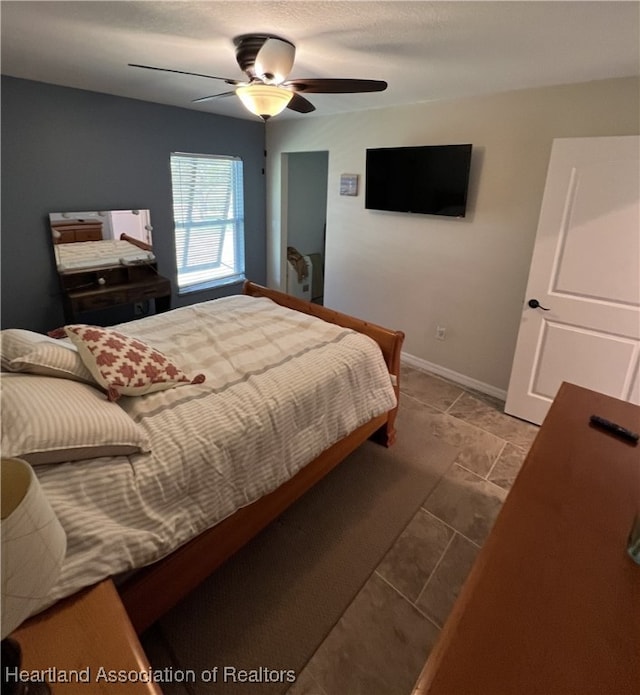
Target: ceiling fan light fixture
(264, 100)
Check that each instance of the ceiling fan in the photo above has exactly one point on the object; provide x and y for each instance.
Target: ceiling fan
(267, 60)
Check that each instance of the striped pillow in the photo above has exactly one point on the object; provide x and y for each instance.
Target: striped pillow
(50, 420)
(34, 353)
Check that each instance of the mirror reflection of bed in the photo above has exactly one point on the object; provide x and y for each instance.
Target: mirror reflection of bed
(105, 259)
(100, 238)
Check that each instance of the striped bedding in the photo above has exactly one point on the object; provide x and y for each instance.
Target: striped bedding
(280, 388)
(99, 254)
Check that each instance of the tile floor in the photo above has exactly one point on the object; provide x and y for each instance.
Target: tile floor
(380, 644)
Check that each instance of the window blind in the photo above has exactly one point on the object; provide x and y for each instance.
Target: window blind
(208, 212)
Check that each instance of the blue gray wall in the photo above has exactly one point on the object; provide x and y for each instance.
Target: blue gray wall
(69, 149)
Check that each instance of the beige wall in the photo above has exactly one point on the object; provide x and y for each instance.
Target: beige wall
(414, 272)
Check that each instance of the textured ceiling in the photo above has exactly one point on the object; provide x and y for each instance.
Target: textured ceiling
(424, 50)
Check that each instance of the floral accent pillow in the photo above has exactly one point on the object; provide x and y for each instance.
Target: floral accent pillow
(125, 366)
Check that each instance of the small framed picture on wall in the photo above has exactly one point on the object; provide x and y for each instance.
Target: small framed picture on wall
(349, 184)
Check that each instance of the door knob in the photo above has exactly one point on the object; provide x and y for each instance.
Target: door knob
(535, 304)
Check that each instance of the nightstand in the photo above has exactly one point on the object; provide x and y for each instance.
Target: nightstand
(89, 639)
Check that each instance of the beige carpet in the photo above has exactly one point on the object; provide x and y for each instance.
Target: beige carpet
(273, 604)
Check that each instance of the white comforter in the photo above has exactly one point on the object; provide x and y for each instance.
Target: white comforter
(99, 254)
(280, 388)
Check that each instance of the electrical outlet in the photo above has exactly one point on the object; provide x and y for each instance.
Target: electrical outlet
(441, 332)
(138, 309)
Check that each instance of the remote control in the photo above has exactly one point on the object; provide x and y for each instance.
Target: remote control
(617, 430)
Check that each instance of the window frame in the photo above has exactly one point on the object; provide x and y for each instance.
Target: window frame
(230, 246)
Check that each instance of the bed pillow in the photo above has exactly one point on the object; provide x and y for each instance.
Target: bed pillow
(125, 366)
(50, 420)
(34, 353)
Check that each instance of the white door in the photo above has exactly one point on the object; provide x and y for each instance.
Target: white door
(585, 272)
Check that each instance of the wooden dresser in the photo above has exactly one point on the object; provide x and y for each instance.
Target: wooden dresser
(88, 634)
(552, 604)
(101, 288)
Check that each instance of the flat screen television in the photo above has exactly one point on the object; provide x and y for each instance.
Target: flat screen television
(428, 179)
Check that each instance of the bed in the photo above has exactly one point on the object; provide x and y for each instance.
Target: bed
(276, 392)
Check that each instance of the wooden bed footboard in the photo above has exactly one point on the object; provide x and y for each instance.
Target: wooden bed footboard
(155, 589)
(136, 242)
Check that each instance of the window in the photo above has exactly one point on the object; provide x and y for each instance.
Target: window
(208, 211)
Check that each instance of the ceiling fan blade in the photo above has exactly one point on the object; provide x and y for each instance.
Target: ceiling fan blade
(213, 96)
(335, 86)
(274, 60)
(183, 72)
(300, 104)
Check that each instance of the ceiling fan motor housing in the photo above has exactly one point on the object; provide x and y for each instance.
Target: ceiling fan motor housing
(265, 57)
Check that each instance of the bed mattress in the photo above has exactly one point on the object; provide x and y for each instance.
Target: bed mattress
(281, 386)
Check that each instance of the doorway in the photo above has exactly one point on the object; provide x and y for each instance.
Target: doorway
(304, 222)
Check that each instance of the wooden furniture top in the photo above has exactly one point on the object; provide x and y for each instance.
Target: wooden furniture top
(87, 632)
(552, 604)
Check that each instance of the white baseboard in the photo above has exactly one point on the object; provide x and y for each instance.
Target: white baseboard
(466, 381)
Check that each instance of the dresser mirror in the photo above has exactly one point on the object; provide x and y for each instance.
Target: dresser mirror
(100, 238)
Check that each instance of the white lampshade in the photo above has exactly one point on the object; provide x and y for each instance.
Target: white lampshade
(33, 544)
(264, 100)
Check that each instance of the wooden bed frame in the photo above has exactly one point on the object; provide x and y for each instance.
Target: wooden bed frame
(136, 242)
(155, 589)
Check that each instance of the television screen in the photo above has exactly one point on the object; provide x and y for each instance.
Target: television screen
(429, 179)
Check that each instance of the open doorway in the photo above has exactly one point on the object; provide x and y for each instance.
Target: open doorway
(306, 221)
